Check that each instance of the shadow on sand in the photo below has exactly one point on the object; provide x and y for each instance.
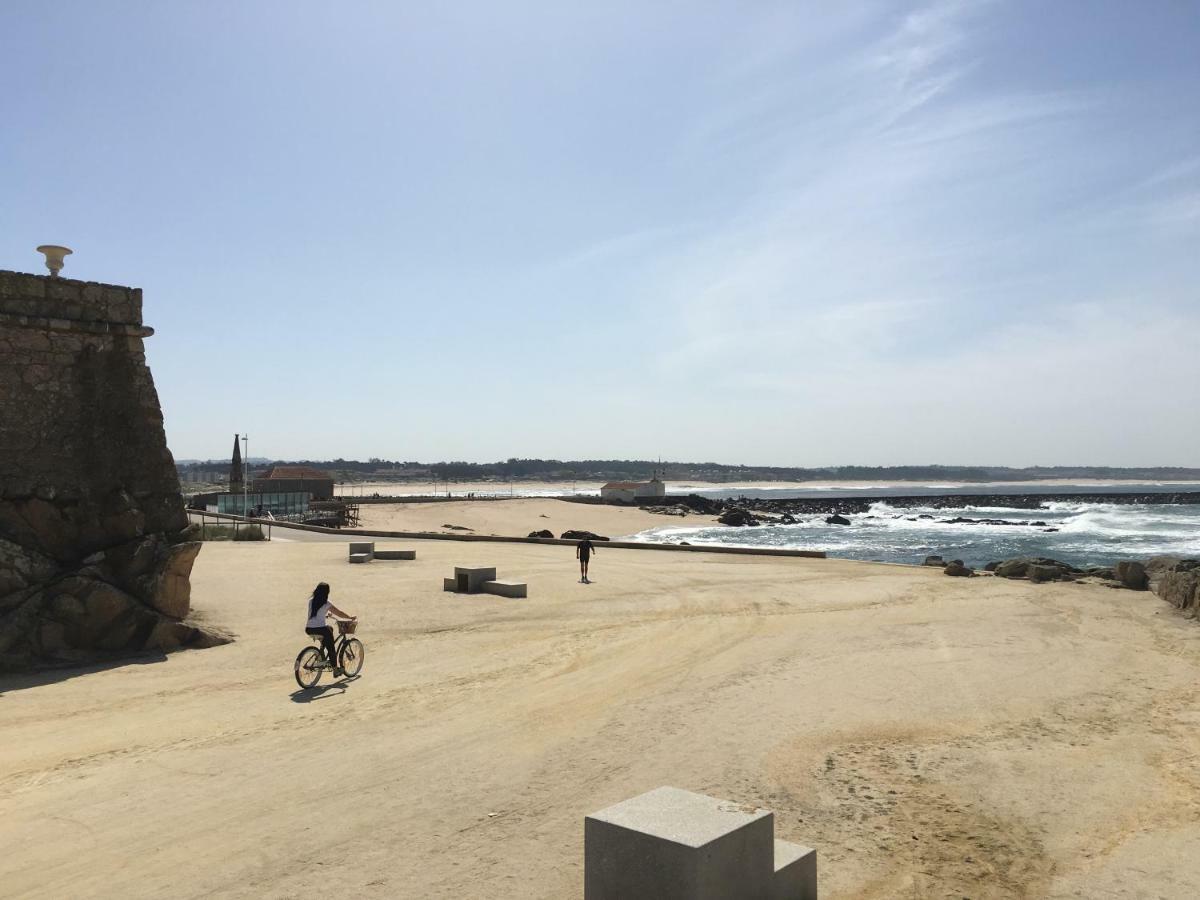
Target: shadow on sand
(19, 681)
(308, 695)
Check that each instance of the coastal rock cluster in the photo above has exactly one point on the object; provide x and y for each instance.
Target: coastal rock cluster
(95, 555)
(848, 506)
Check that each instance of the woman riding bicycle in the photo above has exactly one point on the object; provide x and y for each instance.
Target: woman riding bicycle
(319, 608)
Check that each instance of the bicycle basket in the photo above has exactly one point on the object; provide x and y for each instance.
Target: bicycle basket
(346, 627)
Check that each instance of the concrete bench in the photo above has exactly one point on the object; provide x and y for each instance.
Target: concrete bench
(395, 554)
(360, 557)
(366, 548)
(675, 845)
(506, 588)
(467, 580)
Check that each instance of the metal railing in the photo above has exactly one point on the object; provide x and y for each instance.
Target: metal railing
(208, 520)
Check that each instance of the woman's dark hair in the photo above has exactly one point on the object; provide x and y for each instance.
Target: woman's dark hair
(319, 595)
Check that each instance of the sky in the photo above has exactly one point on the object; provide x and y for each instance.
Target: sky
(762, 233)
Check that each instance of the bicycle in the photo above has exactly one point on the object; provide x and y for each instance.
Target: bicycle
(311, 661)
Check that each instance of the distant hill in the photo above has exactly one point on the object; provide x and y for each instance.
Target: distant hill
(623, 469)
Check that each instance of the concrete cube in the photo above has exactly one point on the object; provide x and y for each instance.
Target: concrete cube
(505, 588)
(671, 844)
(395, 554)
(367, 547)
(360, 558)
(470, 581)
(795, 872)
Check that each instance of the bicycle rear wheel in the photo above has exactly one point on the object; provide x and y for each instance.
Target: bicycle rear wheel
(308, 667)
(352, 656)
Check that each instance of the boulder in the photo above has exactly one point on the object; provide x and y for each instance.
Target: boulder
(1037, 573)
(574, 535)
(737, 517)
(544, 533)
(1179, 585)
(1157, 566)
(1012, 568)
(169, 588)
(1047, 569)
(21, 567)
(956, 568)
(1131, 575)
(835, 519)
(934, 561)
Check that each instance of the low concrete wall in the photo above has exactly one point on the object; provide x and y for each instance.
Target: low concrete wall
(351, 533)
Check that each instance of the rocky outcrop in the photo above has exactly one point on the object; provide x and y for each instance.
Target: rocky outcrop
(94, 553)
(1178, 582)
(544, 533)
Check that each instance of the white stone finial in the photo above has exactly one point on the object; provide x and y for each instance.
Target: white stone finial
(54, 257)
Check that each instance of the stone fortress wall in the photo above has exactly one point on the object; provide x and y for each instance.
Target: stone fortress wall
(94, 554)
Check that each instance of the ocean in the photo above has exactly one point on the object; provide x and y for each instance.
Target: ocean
(1088, 533)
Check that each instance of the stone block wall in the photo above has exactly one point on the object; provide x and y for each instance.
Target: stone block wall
(93, 549)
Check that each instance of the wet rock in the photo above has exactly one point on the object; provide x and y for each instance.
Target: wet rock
(835, 519)
(934, 561)
(957, 569)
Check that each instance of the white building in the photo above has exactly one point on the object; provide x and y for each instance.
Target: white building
(632, 491)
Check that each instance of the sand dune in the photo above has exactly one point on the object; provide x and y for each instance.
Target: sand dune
(930, 736)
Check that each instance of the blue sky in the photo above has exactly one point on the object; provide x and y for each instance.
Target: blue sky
(794, 234)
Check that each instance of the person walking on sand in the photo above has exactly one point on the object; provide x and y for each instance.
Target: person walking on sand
(319, 608)
(583, 552)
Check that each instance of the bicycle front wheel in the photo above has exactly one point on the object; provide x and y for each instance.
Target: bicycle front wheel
(351, 657)
(308, 667)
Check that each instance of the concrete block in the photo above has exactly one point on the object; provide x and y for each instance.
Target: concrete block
(395, 554)
(672, 844)
(795, 872)
(449, 584)
(360, 558)
(505, 588)
(470, 581)
(367, 547)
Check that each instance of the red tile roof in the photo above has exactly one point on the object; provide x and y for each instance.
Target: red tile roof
(297, 473)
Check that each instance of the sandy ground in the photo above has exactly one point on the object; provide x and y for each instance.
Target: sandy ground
(932, 737)
(518, 517)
